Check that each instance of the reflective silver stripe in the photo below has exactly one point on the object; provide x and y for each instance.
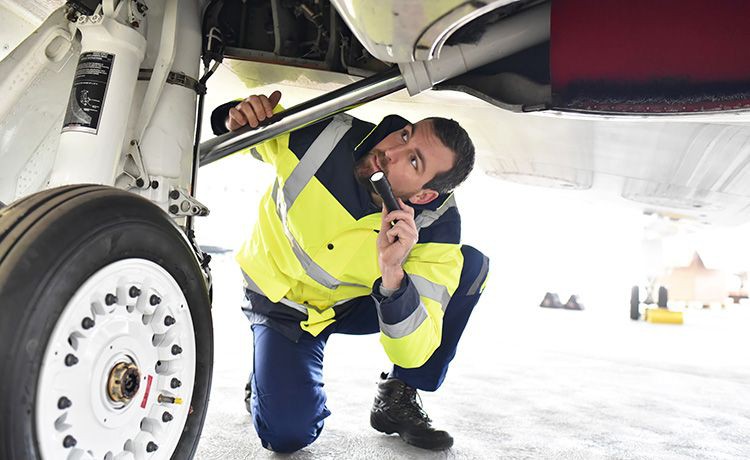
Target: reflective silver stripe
(434, 291)
(427, 218)
(482, 274)
(254, 152)
(294, 305)
(314, 157)
(300, 177)
(406, 326)
(253, 286)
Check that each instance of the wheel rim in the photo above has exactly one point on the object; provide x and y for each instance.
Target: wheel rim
(117, 375)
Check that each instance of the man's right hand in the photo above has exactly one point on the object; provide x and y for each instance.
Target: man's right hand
(252, 111)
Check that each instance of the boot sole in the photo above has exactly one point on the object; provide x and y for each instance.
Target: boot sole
(388, 428)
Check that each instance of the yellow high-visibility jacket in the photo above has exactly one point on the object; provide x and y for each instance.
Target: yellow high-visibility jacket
(313, 249)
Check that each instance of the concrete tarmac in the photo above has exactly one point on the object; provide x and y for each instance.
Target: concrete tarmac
(526, 383)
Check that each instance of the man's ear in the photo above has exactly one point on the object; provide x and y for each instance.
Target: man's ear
(424, 196)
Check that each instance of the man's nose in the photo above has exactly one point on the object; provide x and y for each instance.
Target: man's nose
(392, 154)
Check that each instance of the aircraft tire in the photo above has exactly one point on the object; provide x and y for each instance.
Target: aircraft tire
(635, 303)
(661, 301)
(104, 316)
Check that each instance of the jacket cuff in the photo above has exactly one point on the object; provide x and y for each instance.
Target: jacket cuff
(398, 306)
(219, 118)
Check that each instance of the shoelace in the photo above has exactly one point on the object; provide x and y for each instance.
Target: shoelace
(413, 405)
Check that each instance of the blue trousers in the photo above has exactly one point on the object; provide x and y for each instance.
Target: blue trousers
(288, 401)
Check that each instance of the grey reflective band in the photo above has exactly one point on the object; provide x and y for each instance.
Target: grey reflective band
(255, 154)
(406, 326)
(300, 177)
(314, 157)
(427, 218)
(253, 286)
(482, 274)
(434, 291)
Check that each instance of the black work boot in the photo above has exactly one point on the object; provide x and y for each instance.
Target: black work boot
(396, 410)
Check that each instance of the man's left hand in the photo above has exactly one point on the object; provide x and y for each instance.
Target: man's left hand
(395, 241)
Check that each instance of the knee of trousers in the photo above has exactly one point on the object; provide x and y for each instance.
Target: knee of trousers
(285, 425)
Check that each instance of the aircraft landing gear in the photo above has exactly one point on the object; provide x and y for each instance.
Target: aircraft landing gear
(106, 333)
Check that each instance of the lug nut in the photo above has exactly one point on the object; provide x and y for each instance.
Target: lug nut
(176, 349)
(166, 417)
(174, 209)
(174, 194)
(134, 292)
(154, 184)
(168, 320)
(139, 182)
(110, 299)
(63, 403)
(175, 383)
(70, 360)
(151, 446)
(154, 300)
(69, 441)
(87, 323)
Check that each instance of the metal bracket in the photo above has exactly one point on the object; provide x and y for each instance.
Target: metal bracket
(176, 78)
(182, 204)
(140, 177)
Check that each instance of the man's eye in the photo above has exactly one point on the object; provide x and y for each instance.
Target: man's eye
(405, 135)
(414, 162)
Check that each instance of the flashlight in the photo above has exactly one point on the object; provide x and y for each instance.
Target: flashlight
(383, 188)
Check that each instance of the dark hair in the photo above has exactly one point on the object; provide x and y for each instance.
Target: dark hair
(453, 136)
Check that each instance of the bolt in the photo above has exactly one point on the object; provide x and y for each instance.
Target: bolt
(174, 194)
(176, 349)
(139, 182)
(69, 441)
(151, 446)
(134, 291)
(63, 403)
(87, 323)
(154, 299)
(174, 209)
(70, 360)
(168, 320)
(110, 299)
(175, 383)
(154, 184)
(166, 417)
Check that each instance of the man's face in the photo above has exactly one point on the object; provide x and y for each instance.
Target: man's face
(410, 158)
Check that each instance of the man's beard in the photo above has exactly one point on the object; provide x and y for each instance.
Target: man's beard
(363, 168)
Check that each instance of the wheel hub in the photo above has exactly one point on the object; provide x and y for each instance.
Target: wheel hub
(123, 383)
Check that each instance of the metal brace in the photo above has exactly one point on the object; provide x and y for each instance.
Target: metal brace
(182, 204)
(139, 178)
(176, 78)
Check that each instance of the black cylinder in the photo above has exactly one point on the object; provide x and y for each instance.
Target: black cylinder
(383, 188)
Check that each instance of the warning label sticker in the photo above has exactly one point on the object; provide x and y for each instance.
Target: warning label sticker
(88, 92)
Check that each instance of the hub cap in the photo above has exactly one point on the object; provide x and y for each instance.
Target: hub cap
(117, 375)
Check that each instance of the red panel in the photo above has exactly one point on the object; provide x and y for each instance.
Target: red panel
(640, 41)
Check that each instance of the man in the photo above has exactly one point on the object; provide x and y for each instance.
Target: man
(325, 257)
